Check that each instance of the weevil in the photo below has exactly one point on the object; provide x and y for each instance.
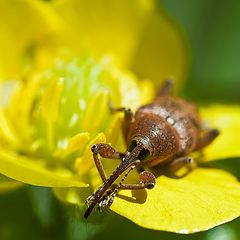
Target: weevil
(162, 133)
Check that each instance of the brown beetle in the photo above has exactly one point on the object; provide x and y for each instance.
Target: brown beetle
(161, 133)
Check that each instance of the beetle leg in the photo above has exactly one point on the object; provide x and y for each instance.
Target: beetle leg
(105, 151)
(147, 180)
(165, 89)
(207, 138)
(107, 199)
(128, 116)
(178, 163)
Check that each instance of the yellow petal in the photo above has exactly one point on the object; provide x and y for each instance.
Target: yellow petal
(226, 119)
(25, 170)
(162, 52)
(136, 33)
(23, 25)
(100, 27)
(8, 185)
(203, 199)
(147, 91)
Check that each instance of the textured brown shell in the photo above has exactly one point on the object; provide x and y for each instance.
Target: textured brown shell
(171, 125)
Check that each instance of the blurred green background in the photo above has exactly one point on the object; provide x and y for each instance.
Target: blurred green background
(33, 213)
(212, 27)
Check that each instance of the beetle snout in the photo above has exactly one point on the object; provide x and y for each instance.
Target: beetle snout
(143, 145)
(144, 155)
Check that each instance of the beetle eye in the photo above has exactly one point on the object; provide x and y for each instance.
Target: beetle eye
(143, 155)
(132, 145)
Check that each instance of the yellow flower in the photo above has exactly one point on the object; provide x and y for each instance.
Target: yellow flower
(56, 108)
(129, 34)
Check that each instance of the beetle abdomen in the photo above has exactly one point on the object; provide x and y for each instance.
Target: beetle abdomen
(181, 116)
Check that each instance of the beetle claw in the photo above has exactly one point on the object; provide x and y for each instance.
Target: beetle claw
(106, 201)
(90, 199)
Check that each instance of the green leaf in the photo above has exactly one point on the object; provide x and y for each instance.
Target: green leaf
(18, 220)
(231, 165)
(82, 229)
(43, 202)
(213, 31)
(8, 184)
